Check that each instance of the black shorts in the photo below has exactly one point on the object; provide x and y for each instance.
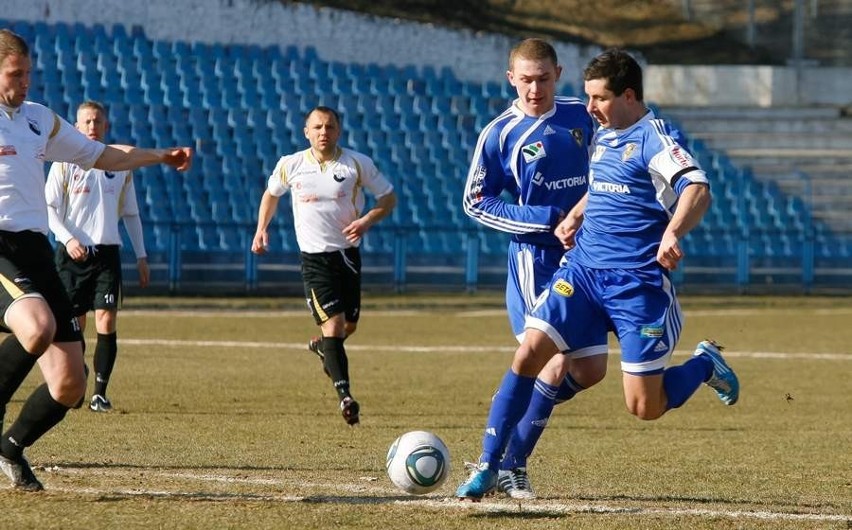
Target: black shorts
(333, 283)
(94, 283)
(27, 269)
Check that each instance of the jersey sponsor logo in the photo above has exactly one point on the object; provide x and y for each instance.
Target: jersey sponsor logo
(563, 288)
(338, 178)
(680, 157)
(34, 126)
(599, 153)
(609, 187)
(566, 183)
(629, 149)
(6, 150)
(109, 174)
(538, 179)
(651, 332)
(548, 130)
(579, 137)
(533, 152)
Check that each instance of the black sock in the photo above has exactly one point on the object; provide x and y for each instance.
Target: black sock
(38, 415)
(15, 364)
(105, 353)
(336, 364)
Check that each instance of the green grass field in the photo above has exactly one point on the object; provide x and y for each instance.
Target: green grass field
(224, 420)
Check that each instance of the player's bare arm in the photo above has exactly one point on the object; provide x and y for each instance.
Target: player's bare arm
(691, 206)
(357, 228)
(117, 157)
(566, 230)
(268, 206)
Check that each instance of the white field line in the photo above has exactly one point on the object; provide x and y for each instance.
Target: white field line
(381, 495)
(476, 313)
(443, 349)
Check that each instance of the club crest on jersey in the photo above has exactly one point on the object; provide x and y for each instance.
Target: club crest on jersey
(533, 152)
(599, 153)
(578, 136)
(564, 288)
(628, 152)
(339, 178)
(109, 175)
(34, 126)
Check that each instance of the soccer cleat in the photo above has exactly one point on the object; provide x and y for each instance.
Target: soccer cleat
(100, 404)
(20, 473)
(481, 482)
(314, 346)
(515, 483)
(350, 410)
(723, 380)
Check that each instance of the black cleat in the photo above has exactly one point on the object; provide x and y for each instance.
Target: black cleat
(350, 410)
(20, 473)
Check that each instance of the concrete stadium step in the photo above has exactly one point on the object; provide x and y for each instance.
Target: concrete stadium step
(773, 140)
(732, 114)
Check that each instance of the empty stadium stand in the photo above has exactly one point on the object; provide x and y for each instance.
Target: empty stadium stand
(242, 107)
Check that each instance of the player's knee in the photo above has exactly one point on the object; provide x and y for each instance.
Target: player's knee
(36, 339)
(646, 409)
(350, 328)
(70, 390)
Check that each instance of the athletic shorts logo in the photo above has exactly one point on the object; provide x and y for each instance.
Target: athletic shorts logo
(651, 332)
(564, 288)
(533, 152)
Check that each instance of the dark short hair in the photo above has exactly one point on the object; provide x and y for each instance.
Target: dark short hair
(620, 70)
(324, 110)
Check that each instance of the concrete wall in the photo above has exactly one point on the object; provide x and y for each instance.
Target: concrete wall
(748, 86)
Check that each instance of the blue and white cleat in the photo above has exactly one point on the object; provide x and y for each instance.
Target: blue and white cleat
(723, 380)
(481, 482)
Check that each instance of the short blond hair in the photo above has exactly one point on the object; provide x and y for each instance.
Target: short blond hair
(12, 44)
(533, 49)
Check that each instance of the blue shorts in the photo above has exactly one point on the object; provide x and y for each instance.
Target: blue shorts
(581, 305)
(529, 272)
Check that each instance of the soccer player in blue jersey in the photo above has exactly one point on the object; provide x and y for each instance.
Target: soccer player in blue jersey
(537, 151)
(645, 193)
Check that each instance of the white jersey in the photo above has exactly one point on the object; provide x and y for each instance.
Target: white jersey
(87, 205)
(326, 197)
(29, 136)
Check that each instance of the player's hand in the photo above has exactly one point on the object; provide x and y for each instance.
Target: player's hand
(669, 253)
(566, 231)
(355, 230)
(260, 244)
(179, 158)
(75, 250)
(144, 272)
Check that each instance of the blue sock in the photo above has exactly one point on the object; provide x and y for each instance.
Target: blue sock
(680, 382)
(568, 388)
(508, 406)
(531, 427)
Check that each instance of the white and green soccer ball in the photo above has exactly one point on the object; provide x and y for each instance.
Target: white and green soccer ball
(418, 462)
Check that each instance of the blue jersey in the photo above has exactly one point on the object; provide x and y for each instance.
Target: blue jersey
(635, 178)
(542, 163)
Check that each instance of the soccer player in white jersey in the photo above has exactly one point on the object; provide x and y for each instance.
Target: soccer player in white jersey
(537, 150)
(33, 301)
(84, 207)
(646, 192)
(326, 184)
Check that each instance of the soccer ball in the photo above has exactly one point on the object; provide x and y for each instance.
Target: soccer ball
(418, 462)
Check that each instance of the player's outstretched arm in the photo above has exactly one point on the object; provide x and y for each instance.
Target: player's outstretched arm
(118, 157)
